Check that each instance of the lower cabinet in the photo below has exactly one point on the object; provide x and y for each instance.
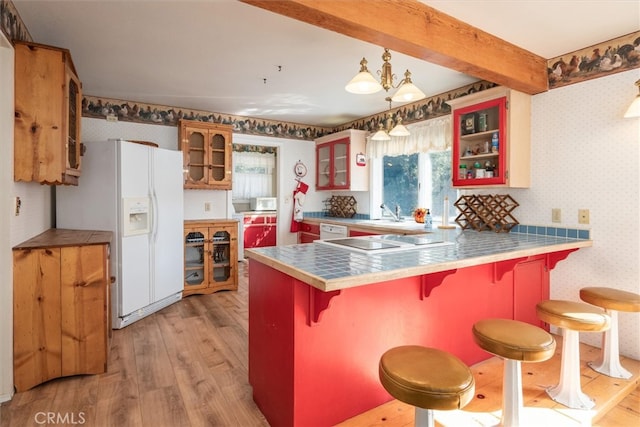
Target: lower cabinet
(308, 232)
(260, 230)
(61, 306)
(210, 256)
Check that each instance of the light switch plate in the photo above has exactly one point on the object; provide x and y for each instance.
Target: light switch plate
(556, 215)
(583, 216)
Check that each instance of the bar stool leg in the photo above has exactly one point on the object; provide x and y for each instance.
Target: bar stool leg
(609, 361)
(568, 391)
(512, 402)
(424, 418)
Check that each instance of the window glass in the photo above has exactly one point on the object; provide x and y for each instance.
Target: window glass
(419, 180)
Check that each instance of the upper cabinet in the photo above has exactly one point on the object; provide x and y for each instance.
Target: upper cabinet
(491, 139)
(48, 108)
(206, 149)
(341, 163)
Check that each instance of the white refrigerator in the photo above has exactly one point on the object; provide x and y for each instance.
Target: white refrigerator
(135, 191)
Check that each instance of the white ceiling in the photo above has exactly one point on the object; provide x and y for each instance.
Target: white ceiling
(214, 55)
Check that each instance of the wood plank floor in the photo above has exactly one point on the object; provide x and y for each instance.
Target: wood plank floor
(187, 366)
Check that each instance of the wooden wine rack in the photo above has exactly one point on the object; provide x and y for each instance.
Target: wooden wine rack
(487, 212)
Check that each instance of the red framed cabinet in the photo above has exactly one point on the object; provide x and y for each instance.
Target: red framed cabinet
(260, 230)
(491, 139)
(308, 232)
(341, 162)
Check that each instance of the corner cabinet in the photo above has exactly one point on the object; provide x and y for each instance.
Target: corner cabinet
(210, 256)
(61, 306)
(207, 152)
(491, 139)
(341, 162)
(48, 108)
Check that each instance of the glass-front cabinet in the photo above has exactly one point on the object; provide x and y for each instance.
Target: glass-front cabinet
(491, 139)
(48, 110)
(207, 153)
(341, 162)
(210, 256)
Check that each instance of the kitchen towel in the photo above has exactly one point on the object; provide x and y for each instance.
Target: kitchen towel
(298, 201)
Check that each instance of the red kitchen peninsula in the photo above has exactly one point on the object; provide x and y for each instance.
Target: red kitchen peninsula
(320, 318)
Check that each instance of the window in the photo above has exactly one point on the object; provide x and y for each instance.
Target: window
(253, 171)
(418, 180)
(414, 171)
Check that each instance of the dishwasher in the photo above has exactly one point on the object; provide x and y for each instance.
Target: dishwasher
(331, 231)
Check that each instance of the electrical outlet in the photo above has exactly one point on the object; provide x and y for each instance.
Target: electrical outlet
(207, 206)
(556, 215)
(583, 216)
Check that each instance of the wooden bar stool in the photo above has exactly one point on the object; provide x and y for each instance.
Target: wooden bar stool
(427, 378)
(515, 342)
(612, 300)
(573, 318)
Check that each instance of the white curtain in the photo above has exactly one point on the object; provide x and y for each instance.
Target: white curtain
(428, 136)
(253, 174)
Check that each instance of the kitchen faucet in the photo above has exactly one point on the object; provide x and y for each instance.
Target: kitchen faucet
(396, 216)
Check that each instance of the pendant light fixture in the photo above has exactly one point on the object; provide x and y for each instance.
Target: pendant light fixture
(365, 83)
(385, 134)
(634, 108)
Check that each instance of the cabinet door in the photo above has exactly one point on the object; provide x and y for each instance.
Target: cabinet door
(323, 167)
(37, 347)
(476, 129)
(340, 168)
(196, 260)
(220, 148)
(73, 100)
(83, 287)
(531, 279)
(221, 266)
(196, 160)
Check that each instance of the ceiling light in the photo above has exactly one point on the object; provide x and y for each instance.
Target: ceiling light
(634, 108)
(398, 130)
(365, 83)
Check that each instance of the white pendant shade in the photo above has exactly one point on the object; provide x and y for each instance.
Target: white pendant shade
(381, 135)
(634, 108)
(363, 83)
(408, 92)
(399, 130)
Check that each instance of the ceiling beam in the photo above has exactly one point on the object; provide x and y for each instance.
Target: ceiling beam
(418, 30)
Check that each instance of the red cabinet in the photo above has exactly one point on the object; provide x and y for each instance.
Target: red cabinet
(260, 230)
(491, 139)
(341, 163)
(308, 232)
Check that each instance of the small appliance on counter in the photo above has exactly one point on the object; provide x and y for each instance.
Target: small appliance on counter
(263, 203)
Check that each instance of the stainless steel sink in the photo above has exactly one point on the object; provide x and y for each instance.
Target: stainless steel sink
(385, 243)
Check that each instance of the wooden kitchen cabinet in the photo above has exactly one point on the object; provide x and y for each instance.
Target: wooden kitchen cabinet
(341, 162)
(210, 256)
(476, 118)
(207, 151)
(260, 230)
(48, 108)
(61, 306)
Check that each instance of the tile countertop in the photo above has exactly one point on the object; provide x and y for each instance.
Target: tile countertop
(329, 269)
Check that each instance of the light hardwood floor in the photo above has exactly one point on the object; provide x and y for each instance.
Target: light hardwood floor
(187, 366)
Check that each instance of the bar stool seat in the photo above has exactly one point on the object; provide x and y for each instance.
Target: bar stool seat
(573, 317)
(612, 301)
(427, 378)
(515, 342)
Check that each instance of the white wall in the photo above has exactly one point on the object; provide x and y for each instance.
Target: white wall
(586, 155)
